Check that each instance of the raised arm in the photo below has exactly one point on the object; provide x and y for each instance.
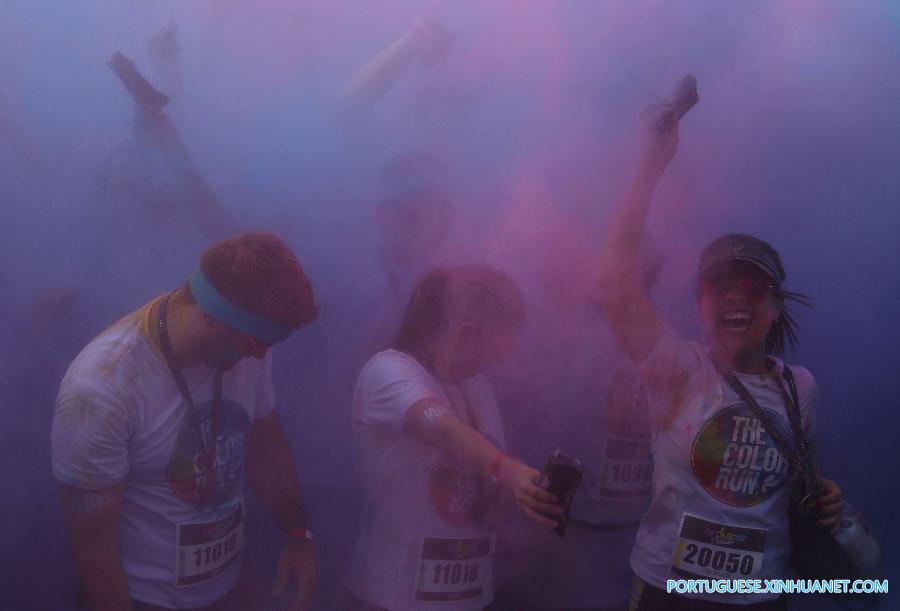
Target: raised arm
(630, 313)
(438, 426)
(424, 41)
(273, 478)
(147, 99)
(154, 128)
(92, 519)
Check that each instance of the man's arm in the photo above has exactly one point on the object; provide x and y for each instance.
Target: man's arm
(92, 518)
(273, 478)
(438, 426)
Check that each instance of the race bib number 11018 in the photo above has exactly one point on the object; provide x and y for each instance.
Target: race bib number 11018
(455, 570)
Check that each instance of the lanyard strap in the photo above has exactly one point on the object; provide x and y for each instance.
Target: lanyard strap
(206, 443)
(799, 454)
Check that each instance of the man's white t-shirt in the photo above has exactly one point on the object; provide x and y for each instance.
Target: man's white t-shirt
(423, 542)
(120, 417)
(720, 484)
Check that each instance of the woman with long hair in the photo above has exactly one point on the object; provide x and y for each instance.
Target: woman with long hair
(721, 482)
(429, 448)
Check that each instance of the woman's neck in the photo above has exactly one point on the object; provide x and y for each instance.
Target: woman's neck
(744, 360)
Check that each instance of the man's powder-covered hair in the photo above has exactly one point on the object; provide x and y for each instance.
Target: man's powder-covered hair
(259, 273)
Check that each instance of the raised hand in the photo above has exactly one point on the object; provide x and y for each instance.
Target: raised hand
(659, 138)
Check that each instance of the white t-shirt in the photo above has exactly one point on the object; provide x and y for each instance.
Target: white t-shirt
(618, 467)
(120, 418)
(423, 543)
(720, 485)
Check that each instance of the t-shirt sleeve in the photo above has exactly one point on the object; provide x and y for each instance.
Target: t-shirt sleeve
(667, 370)
(89, 435)
(265, 396)
(387, 387)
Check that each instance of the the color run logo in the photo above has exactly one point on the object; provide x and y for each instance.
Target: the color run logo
(460, 496)
(735, 458)
(187, 473)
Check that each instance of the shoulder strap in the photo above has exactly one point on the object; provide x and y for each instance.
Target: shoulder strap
(807, 469)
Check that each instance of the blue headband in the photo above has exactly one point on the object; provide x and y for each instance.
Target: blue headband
(213, 303)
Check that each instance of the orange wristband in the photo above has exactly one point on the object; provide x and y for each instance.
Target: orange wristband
(494, 467)
(300, 533)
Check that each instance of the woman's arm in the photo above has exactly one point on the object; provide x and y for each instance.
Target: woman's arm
(438, 426)
(633, 319)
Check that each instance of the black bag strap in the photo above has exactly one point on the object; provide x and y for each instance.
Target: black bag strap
(804, 454)
(799, 454)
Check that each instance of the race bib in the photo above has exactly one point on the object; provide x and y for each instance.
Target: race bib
(455, 570)
(626, 472)
(709, 550)
(205, 549)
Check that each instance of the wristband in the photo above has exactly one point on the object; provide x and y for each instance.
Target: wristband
(494, 467)
(299, 534)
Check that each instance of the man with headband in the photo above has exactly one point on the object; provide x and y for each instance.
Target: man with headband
(158, 419)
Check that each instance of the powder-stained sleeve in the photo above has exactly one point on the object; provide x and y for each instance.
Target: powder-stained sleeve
(670, 367)
(89, 435)
(388, 386)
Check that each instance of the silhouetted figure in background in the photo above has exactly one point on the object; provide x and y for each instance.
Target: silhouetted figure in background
(414, 211)
(156, 170)
(13, 136)
(154, 209)
(425, 42)
(165, 57)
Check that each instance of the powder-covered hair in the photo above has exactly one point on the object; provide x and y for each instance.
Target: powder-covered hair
(259, 273)
(447, 296)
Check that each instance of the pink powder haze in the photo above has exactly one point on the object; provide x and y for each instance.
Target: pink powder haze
(534, 108)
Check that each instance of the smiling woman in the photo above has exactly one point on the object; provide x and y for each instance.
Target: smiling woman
(741, 289)
(722, 472)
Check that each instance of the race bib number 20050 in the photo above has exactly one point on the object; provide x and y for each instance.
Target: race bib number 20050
(205, 549)
(455, 570)
(708, 550)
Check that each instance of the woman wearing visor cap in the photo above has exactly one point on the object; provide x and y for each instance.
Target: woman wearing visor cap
(721, 483)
